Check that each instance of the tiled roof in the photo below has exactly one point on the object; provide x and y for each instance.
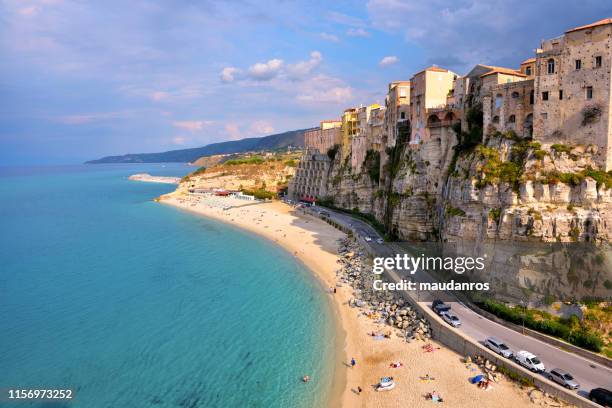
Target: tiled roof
(501, 70)
(605, 21)
(528, 61)
(432, 68)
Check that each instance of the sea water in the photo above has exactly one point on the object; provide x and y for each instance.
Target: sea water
(131, 303)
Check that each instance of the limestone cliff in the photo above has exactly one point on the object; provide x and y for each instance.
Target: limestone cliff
(512, 198)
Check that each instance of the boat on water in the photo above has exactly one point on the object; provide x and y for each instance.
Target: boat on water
(385, 384)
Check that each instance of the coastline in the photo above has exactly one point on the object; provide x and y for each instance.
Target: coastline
(316, 244)
(317, 249)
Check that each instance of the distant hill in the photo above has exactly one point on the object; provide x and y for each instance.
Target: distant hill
(273, 142)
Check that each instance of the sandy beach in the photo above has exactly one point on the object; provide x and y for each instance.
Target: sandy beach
(315, 243)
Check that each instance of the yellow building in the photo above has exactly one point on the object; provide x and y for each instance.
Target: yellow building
(349, 129)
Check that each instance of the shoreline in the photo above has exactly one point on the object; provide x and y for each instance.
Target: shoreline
(340, 395)
(335, 262)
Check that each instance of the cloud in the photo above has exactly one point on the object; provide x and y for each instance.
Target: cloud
(264, 71)
(326, 90)
(274, 69)
(389, 60)
(261, 127)
(301, 69)
(232, 131)
(345, 19)
(467, 32)
(90, 118)
(179, 140)
(329, 37)
(357, 32)
(228, 74)
(191, 125)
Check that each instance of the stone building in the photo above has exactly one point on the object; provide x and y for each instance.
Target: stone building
(429, 90)
(397, 103)
(364, 138)
(349, 129)
(323, 138)
(310, 180)
(572, 89)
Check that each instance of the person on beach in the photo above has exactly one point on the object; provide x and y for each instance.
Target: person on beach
(353, 362)
(359, 390)
(334, 290)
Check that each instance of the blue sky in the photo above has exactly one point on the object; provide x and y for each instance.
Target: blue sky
(80, 80)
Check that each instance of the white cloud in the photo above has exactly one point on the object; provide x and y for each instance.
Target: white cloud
(264, 71)
(301, 69)
(178, 140)
(357, 32)
(326, 90)
(389, 60)
(345, 19)
(158, 96)
(90, 118)
(232, 131)
(228, 74)
(261, 127)
(191, 125)
(329, 37)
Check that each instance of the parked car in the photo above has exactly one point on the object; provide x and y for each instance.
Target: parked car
(324, 213)
(368, 239)
(379, 241)
(564, 378)
(440, 307)
(530, 361)
(451, 318)
(601, 396)
(498, 346)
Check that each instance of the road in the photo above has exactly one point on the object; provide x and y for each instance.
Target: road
(589, 374)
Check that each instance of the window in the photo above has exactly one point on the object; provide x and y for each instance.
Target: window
(589, 92)
(560, 94)
(598, 61)
(402, 92)
(515, 95)
(550, 66)
(544, 115)
(498, 101)
(578, 64)
(528, 71)
(495, 119)
(402, 115)
(531, 97)
(545, 95)
(512, 119)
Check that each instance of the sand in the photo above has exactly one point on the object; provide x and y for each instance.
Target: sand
(315, 243)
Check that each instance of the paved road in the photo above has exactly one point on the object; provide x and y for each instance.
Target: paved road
(588, 374)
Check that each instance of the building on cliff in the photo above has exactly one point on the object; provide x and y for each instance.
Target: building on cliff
(310, 180)
(573, 89)
(326, 136)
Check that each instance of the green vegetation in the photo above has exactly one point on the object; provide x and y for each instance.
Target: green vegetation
(199, 171)
(332, 151)
(452, 211)
(575, 179)
(514, 376)
(570, 330)
(495, 214)
(260, 194)
(372, 164)
(291, 163)
(246, 160)
(561, 148)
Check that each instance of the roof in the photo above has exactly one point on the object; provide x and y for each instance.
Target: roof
(528, 61)
(605, 21)
(331, 121)
(505, 71)
(432, 68)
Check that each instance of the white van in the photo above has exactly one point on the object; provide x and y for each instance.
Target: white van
(530, 361)
(498, 346)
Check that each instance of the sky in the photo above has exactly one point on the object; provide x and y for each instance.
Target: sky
(80, 80)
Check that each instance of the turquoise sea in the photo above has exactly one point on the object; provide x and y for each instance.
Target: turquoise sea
(131, 303)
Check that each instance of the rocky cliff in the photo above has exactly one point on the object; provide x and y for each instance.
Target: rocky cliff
(512, 198)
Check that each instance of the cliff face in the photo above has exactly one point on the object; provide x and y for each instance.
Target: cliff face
(510, 198)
